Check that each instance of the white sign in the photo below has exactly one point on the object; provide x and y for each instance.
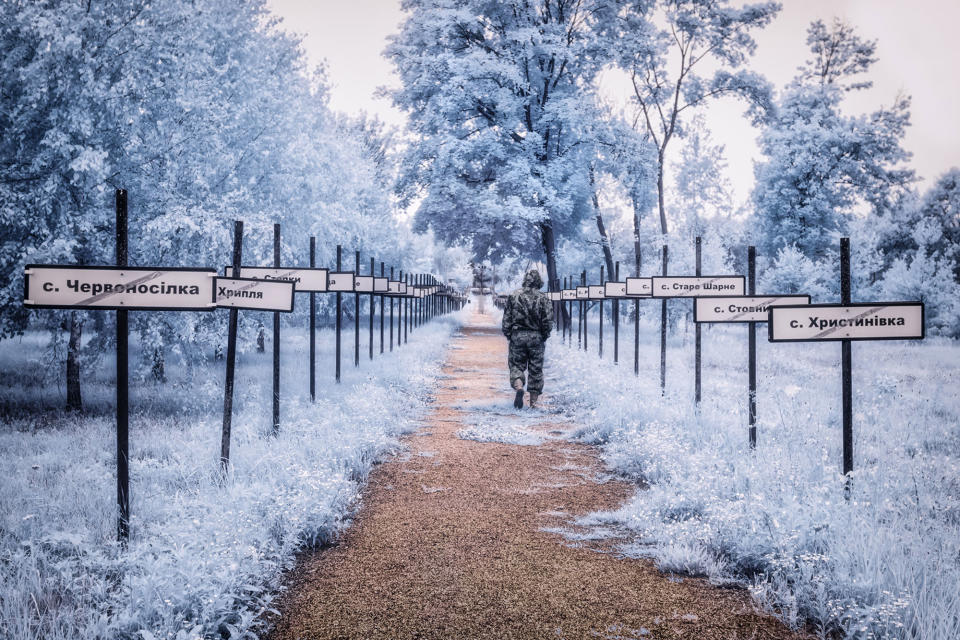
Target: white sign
(250, 293)
(596, 292)
(615, 290)
(398, 287)
(639, 286)
(119, 288)
(381, 285)
(862, 321)
(583, 293)
(740, 309)
(363, 284)
(569, 294)
(342, 281)
(554, 296)
(695, 287)
(304, 279)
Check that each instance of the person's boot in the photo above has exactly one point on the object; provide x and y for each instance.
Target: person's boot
(534, 396)
(518, 401)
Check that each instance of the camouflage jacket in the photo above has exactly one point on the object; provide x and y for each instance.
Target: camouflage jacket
(528, 310)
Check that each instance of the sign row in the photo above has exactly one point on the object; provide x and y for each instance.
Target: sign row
(147, 288)
(656, 287)
(790, 318)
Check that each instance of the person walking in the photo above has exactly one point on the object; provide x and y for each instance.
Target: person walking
(527, 320)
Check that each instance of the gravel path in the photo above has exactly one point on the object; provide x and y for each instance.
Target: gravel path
(458, 537)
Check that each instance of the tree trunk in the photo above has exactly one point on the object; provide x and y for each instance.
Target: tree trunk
(663, 211)
(158, 369)
(74, 401)
(604, 238)
(550, 250)
(636, 237)
(261, 347)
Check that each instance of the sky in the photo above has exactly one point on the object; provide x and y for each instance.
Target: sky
(916, 51)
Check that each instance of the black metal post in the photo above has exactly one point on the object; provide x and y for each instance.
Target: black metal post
(616, 318)
(339, 310)
(585, 309)
(846, 358)
(373, 309)
(313, 325)
(276, 339)
(231, 357)
(636, 328)
(123, 397)
(391, 313)
(356, 314)
(406, 315)
(382, 301)
(696, 334)
(663, 332)
(600, 303)
(752, 347)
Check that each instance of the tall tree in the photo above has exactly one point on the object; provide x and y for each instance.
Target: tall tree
(665, 45)
(822, 164)
(498, 95)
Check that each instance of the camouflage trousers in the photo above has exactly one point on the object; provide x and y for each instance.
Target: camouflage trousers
(526, 354)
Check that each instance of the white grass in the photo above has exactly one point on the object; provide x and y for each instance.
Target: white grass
(885, 564)
(204, 559)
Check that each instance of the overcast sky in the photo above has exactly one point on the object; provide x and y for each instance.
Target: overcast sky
(916, 49)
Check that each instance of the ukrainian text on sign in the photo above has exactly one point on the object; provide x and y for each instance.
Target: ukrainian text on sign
(340, 281)
(864, 321)
(740, 308)
(639, 286)
(119, 288)
(259, 295)
(304, 279)
(615, 290)
(695, 287)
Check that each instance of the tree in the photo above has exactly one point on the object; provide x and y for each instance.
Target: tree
(696, 34)
(821, 165)
(499, 97)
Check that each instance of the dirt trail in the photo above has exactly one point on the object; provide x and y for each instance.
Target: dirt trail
(451, 543)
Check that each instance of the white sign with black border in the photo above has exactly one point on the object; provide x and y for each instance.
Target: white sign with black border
(305, 279)
(583, 293)
(639, 287)
(860, 321)
(363, 284)
(615, 290)
(741, 309)
(596, 291)
(698, 286)
(340, 281)
(104, 287)
(397, 287)
(568, 294)
(255, 294)
(381, 285)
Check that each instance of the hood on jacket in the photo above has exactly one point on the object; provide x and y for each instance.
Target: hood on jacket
(532, 280)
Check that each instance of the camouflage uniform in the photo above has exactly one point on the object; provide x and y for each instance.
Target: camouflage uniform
(527, 321)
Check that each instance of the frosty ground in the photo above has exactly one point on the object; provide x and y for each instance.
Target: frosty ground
(203, 558)
(883, 564)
